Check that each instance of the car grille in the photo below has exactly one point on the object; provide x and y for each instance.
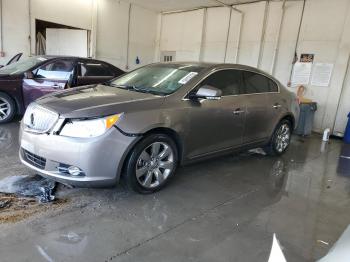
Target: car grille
(39, 119)
(33, 159)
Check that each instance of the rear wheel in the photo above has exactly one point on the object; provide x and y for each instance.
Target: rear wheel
(280, 139)
(7, 108)
(151, 164)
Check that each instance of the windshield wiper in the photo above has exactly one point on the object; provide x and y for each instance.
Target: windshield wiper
(128, 87)
(138, 89)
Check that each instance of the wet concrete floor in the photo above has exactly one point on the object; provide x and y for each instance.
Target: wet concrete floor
(226, 209)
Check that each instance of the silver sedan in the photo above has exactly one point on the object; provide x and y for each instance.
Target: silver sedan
(144, 124)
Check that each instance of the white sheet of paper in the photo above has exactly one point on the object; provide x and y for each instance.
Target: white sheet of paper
(321, 75)
(301, 74)
(187, 77)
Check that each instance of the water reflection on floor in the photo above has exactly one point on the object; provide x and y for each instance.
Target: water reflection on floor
(225, 209)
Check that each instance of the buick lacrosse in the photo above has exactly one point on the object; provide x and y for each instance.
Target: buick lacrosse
(143, 125)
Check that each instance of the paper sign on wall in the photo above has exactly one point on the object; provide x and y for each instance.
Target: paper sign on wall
(307, 58)
(322, 74)
(301, 73)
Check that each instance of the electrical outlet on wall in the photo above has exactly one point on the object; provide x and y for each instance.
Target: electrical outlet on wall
(2, 54)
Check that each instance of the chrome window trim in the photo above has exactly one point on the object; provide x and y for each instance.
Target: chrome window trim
(185, 97)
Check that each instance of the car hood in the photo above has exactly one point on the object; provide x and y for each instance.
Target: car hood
(10, 77)
(98, 100)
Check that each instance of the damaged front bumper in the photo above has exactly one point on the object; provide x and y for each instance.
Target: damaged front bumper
(99, 159)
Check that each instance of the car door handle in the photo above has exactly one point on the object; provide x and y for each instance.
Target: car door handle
(276, 106)
(238, 111)
(56, 86)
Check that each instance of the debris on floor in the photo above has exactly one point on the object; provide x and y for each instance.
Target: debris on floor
(29, 186)
(19, 208)
(23, 196)
(5, 203)
(257, 151)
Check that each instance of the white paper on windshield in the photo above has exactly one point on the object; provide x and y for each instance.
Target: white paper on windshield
(187, 77)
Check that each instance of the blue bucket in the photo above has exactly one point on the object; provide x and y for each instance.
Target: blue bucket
(347, 131)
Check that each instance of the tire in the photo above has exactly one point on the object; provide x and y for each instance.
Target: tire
(7, 108)
(151, 164)
(280, 139)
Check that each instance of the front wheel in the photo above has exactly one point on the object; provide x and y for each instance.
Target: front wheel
(7, 108)
(151, 164)
(280, 140)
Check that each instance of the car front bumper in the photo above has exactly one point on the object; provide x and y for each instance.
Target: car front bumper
(100, 159)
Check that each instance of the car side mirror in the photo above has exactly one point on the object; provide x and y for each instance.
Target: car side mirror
(29, 75)
(207, 92)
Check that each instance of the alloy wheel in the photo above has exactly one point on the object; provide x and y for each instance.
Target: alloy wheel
(282, 138)
(155, 164)
(5, 109)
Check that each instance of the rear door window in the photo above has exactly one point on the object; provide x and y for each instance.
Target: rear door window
(257, 83)
(228, 81)
(91, 69)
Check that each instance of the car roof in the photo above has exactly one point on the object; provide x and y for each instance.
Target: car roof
(212, 66)
(59, 56)
(52, 57)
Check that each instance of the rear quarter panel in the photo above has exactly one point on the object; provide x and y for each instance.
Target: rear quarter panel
(13, 88)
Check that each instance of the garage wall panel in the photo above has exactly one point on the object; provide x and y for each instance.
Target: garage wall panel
(15, 28)
(288, 38)
(182, 32)
(112, 34)
(338, 102)
(112, 31)
(321, 34)
(75, 13)
(57, 44)
(274, 15)
(234, 37)
(143, 30)
(19, 28)
(251, 33)
(216, 30)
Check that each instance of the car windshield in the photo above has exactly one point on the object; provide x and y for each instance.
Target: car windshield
(21, 66)
(161, 79)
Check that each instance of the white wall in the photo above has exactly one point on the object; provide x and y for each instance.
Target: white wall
(19, 29)
(77, 13)
(323, 33)
(15, 28)
(215, 36)
(143, 33)
(200, 35)
(106, 19)
(112, 33)
(182, 32)
(57, 44)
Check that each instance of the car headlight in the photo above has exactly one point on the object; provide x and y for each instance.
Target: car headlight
(89, 128)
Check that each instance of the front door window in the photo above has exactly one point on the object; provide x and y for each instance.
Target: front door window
(50, 77)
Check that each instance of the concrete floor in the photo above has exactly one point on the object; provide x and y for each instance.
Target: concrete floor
(226, 209)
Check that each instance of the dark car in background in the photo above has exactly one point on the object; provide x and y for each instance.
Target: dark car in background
(23, 82)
